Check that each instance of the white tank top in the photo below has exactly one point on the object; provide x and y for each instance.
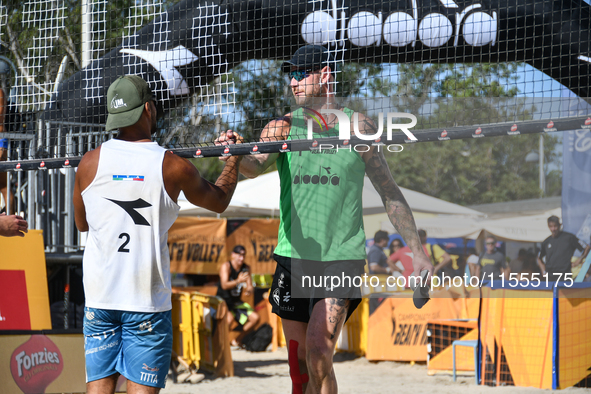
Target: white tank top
(126, 262)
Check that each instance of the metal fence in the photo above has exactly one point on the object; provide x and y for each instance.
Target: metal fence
(44, 196)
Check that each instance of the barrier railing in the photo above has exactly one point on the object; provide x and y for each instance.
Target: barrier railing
(200, 332)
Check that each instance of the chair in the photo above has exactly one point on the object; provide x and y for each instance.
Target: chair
(473, 344)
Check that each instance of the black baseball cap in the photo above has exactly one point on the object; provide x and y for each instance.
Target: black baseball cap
(310, 57)
(239, 249)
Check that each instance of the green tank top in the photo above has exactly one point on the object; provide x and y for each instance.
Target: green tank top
(321, 200)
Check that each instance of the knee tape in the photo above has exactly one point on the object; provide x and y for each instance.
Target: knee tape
(297, 379)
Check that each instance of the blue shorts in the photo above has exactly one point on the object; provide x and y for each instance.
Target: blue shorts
(137, 345)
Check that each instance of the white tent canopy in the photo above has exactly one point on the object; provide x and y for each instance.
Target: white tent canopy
(533, 228)
(444, 226)
(525, 228)
(260, 197)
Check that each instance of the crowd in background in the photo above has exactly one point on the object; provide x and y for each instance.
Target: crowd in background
(490, 263)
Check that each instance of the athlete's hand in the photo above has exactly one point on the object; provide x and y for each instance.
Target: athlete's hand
(421, 262)
(228, 138)
(242, 277)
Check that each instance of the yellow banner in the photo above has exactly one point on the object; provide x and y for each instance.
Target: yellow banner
(197, 245)
(24, 299)
(574, 315)
(259, 237)
(516, 332)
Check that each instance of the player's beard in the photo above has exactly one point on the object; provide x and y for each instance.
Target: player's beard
(310, 100)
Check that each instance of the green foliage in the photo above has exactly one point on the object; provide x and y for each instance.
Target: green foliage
(262, 95)
(24, 34)
(466, 172)
(469, 171)
(363, 80)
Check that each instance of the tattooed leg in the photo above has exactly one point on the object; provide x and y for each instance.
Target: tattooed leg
(337, 312)
(324, 329)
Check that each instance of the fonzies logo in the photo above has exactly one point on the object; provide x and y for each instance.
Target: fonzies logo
(345, 124)
(35, 364)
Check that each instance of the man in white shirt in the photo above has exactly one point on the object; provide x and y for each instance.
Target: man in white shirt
(125, 196)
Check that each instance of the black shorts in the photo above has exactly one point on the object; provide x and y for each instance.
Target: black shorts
(294, 291)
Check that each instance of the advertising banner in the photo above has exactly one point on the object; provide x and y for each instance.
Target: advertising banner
(33, 364)
(397, 330)
(197, 245)
(576, 179)
(24, 300)
(259, 237)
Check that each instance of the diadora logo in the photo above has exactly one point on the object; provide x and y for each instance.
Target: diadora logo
(117, 102)
(399, 29)
(322, 177)
(344, 124)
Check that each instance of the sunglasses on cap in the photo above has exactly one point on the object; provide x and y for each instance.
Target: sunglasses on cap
(299, 75)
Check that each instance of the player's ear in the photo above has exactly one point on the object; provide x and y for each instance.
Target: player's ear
(151, 110)
(326, 74)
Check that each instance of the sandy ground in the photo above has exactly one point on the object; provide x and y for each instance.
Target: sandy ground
(267, 373)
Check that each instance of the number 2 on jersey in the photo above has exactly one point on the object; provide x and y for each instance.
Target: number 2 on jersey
(122, 247)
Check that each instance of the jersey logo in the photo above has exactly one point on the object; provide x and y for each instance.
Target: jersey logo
(131, 206)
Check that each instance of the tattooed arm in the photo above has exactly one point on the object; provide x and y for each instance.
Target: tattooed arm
(254, 165)
(396, 206)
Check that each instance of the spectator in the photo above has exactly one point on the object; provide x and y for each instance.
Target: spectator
(439, 257)
(4, 186)
(558, 250)
(472, 262)
(378, 262)
(491, 261)
(403, 257)
(12, 226)
(395, 246)
(234, 278)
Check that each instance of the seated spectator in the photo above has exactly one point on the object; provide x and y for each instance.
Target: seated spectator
(234, 278)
